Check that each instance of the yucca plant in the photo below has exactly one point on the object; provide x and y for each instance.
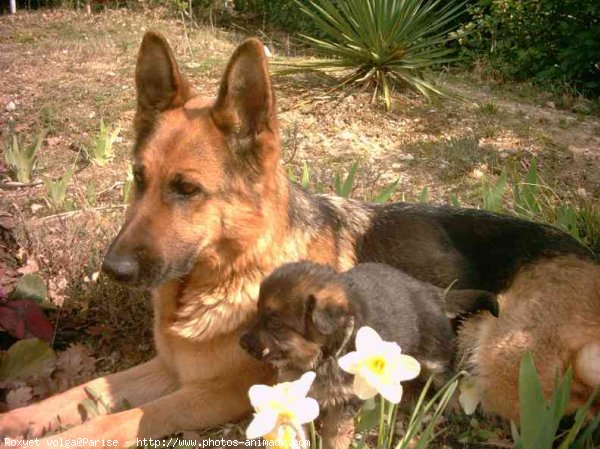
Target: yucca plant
(383, 44)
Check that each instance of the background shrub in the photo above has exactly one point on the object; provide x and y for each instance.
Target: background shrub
(283, 14)
(539, 40)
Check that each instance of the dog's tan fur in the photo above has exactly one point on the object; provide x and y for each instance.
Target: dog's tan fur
(220, 245)
(558, 321)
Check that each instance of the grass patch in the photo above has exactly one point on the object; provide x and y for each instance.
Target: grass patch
(49, 118)
(489, 108)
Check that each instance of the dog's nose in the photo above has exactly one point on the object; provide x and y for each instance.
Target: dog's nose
(249, 344)
(121, 268)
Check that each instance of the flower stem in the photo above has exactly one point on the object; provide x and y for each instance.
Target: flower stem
(313, 436)
(392, 425)
(381, 435)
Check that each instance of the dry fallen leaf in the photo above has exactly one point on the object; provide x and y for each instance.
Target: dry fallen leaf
(74, 364)
(19, 397)
(30, 267)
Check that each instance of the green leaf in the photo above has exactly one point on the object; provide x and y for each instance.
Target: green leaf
(526, 196)
(90, 407)
(22, 159)
(128, 184)
(492, 195)
(25, 358)
(305, 183)
(97, 399)
(588, 433)
(533, 408)
(566, 219)
(30, 286)
(338, 184)
(348, 185)
(102, 148)
(386, 194)
(530, 190)
(91, 194)
(367, 419)
(580, 417)
(424, 195)
(57, 190)
(454, 200)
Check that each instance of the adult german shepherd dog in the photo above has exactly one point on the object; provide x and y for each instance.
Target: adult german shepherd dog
(213, 213)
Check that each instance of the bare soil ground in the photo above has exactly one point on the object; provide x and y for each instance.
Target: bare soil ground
(64, 71)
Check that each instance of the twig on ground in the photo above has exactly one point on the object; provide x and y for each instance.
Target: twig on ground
(72, 213)
(12, 185)
(108, 189)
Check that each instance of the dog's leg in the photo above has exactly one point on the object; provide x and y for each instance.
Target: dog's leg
(192, 407)
(338, 427)
(138, 385)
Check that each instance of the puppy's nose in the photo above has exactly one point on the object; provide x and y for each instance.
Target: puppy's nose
(121, 268)
(249, 343)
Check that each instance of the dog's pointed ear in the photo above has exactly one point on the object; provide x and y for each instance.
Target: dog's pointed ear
(245, 105)
(467, 302)
(159, 84)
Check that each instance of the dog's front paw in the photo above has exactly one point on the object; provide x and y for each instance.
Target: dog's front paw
(18, 424)
(12, 425)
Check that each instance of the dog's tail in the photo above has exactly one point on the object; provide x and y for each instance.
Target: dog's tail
(468, 302)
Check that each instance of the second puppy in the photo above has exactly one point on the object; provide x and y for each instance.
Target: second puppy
(308, 316)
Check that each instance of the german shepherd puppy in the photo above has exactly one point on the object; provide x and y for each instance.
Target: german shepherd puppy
(213, 213)
(308, 315)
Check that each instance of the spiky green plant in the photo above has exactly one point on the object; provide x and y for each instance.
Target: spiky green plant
(102, 149)
(540, 416)
(57, 190)
(384, 44)
(21, 158)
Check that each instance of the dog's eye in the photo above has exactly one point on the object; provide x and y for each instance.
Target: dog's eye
(274, 325)
(138, 178)
(185, 188)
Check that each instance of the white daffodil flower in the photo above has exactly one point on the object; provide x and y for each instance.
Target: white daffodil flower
(281, 410)
(470, 395)
(378, 366)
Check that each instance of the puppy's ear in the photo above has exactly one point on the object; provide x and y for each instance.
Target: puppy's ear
(326, 312)
(159, 84)
(466, 302)
(245, 106)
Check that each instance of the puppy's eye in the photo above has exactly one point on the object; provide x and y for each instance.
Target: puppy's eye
(185, 188)
(274, 325)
